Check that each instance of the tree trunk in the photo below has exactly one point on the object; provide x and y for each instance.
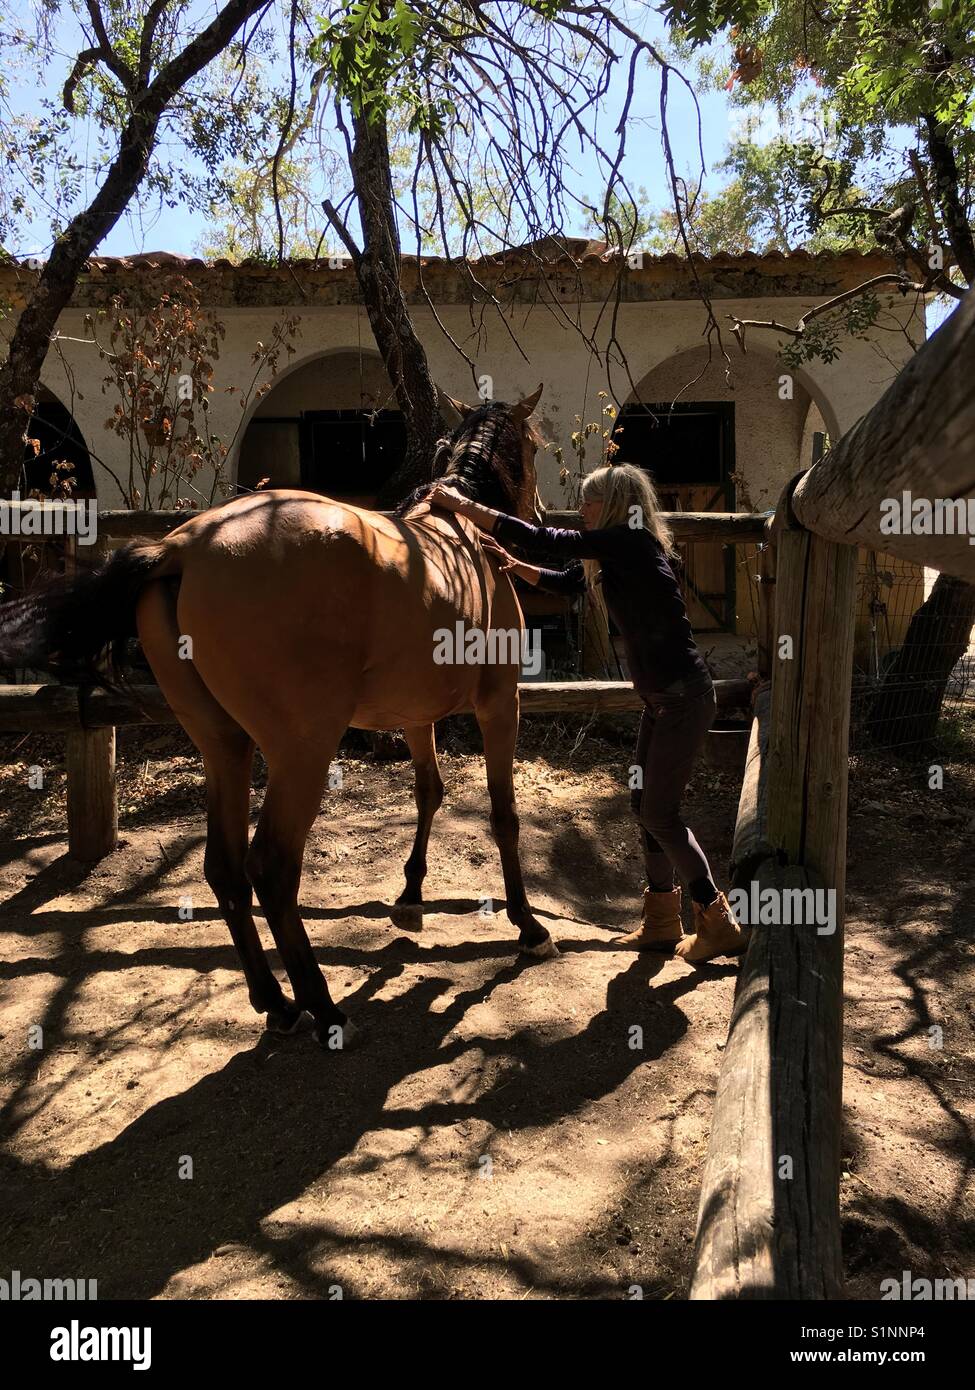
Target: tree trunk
(378, 270)
(906, 709)
(946, 185)
(20, 373)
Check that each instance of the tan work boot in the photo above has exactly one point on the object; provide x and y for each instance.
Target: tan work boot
(718, 933)
(661, 929)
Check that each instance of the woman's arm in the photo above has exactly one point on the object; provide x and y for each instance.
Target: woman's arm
(443, 495)
(541, 541)
(571, 580)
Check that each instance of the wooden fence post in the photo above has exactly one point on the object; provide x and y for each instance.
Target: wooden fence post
(92, 793)
(90, 772)
(766, 605)
(768, 1221)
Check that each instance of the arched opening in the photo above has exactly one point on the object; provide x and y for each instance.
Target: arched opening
(330, 425)
(56, 464)
(714, 446)
(700, 430)
(58, 453)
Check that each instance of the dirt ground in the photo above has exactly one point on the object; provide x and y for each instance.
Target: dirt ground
(496, 1135)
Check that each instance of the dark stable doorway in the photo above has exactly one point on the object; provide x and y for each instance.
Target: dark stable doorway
(349, 453)
(689, 451)
(61, 441)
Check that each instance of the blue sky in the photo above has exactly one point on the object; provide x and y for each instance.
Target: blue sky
(644, 165)
(149, 226)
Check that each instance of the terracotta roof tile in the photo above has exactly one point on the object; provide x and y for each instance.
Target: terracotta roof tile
(549, 250)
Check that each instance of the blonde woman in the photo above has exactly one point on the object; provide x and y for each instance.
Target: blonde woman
(625, 547)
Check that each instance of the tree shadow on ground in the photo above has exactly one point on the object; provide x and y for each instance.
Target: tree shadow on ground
(280, 1115)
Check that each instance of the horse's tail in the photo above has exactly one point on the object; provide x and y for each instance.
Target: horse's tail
(79, 624)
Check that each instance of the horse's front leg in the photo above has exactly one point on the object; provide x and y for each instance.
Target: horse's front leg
(500, 732)
(428, 792)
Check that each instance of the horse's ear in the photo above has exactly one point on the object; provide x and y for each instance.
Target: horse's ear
(524, 408)
(458, 407)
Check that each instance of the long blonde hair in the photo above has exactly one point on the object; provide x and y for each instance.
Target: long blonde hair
(629, 498)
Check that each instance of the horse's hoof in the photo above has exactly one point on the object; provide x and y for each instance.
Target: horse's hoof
(283, 1021)
(339, 1037)
(545, 950)
(407, 916)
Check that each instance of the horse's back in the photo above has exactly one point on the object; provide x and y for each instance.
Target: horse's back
(288, 594)
(287, 527)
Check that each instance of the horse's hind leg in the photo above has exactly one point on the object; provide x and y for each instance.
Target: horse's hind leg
(297, 775)
(500, 732)
(227, 754)
(428, 791)
(228, 762)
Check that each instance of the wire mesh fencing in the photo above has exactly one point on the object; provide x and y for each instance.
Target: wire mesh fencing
(914, 659)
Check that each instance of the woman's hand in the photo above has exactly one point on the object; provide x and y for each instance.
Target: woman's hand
(498, 552)
(507, 562)
(447, 497)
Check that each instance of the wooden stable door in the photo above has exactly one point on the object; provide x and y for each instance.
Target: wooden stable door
(706, 578)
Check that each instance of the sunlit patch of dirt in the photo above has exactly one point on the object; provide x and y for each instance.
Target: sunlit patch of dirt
(505, 1130)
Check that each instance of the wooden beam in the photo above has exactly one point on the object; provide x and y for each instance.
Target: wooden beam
(609, 697)
(766, 604)
(51, 709)
(92, 800)
(767, 1222)
(55, 708)
(809, 733)
(88, 719)
(724, 527)
(918, 439)
(125, 525)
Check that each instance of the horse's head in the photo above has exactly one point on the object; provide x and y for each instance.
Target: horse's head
(491, 455)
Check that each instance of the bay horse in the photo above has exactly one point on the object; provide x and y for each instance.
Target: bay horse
(280, 619)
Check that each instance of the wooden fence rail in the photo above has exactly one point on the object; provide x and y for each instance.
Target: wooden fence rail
(89, 718)
(58, 709)
(919, 440)
(724, 528)
(721, 528)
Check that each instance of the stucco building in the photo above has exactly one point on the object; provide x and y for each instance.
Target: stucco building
(718, 433)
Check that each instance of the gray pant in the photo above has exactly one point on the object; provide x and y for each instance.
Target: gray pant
(673, 728)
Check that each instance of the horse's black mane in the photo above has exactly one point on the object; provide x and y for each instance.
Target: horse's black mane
(486, 474)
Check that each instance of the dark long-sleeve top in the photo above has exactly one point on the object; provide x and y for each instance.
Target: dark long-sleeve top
(640, 588)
